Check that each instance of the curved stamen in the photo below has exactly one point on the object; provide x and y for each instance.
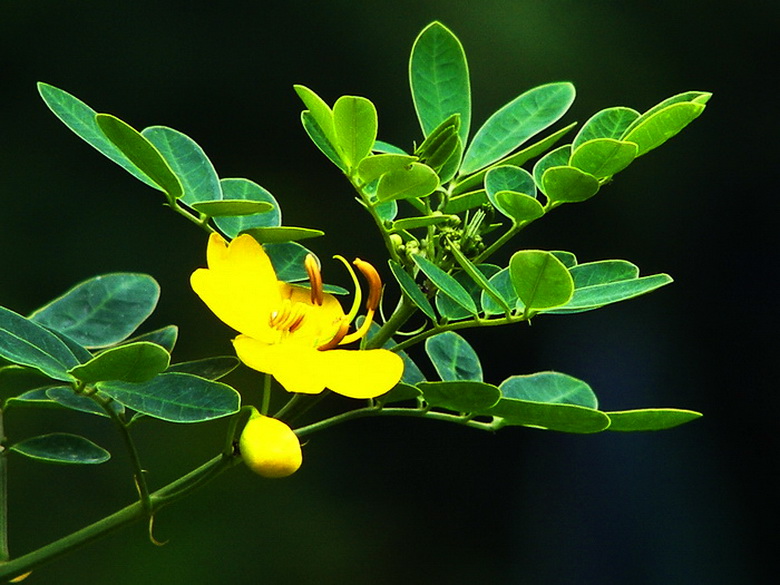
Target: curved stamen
(374, 283)
(315, 279)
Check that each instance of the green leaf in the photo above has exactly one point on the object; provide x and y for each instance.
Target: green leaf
(373, 167)
(244, 189)
(568, 185)
(651, 131)
(441, 145)
(387, 211)
(165, 337)
(567, 418)
(602, 272)
(603, 157)
(650, 419)
(410, 223)
(199, 180)
(282, 234)
(568, 259)
(400, 393)
(36, 397)
(65, 396)
(414, 180)
(480, 276)
(453, 357)
(555, 158)
(460, 395)
(502, 284)
(446, 283)
(387, 148)
(549, 387)
(517, 159)
(176, 397)
(597, 296)
(320, 112)
(212, 368)
(518, 207)
(321, 141)
(141, 153)
(516, 122)
(288, 260)
(62, 448)
(697, 97)
(439, 79)
(608, 123)
(509, 178)
(466, 201)
(103, 310)
(540, 279)
(355, 125)
(133, 362)
(80, 118)
(451, 310)
(18, 379)
(26, 343)
(411, 290)
(232, 207)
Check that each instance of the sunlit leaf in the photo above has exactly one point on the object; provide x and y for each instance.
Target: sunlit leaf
(603, 157)
(549, 387)
(540, 279)
(132, 362)
(650, 419)
(460, 395)
(568, 185)
(412, 181)
(355, 126)
(608, 123)
(244, 189)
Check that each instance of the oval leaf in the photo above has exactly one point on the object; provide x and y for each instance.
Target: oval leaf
(232, 207)
(518, 207)
(608, 123)
(321, 141)
(650, 419)
(355, 125)
(103, 310)
(26, 343)
(549, 387)
(414, 180)
(453, 357)
(165, 337)
(199, 180)
(373, 167)
(212, 368)
(176, 397)
(568, 185)
(541, 281)
(567, 418)
(320, 112)
(62, 448)
(65, 396)
(141, 153)
(652, 131)
(460, 396)
(439, 79)
(133, 362)
(509, 178)
(597, 296)
(516, 122)
(603, 157)
(244, 189)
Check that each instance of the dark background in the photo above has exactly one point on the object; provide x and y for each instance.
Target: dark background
(396, 501)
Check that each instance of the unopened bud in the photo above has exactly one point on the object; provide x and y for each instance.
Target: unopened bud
(269, 447)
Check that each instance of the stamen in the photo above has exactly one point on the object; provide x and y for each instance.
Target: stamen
(374, 283)
(278, 317)
(315, 279)
(343, 328)
(360, 333)
(358, 292)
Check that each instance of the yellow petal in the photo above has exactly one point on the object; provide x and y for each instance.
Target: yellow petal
(239, 286)
(361, 373)
(297, 367)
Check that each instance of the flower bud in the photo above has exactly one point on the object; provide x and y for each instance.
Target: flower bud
(269, 447)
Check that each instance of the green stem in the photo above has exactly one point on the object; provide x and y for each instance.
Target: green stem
(4, 551)
(266, 399)
(379, 411)
(128, 515)
(505, 237)
(401, 315)
(476, 322)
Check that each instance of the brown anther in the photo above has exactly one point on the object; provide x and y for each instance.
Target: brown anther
(315, 279)
(279, 317)
(374, 283)
(343, 328)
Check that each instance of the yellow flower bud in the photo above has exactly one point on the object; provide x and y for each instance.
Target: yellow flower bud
(269, 447)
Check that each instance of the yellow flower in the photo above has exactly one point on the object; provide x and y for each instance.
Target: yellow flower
(292, 332)
(269, 447)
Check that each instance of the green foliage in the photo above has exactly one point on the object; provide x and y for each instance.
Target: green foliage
(103, 310)
(133, 362)
(61, 448)
(453, 357)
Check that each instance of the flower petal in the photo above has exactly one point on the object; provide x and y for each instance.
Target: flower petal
(361, 373)
(298, 368)
(239, 286)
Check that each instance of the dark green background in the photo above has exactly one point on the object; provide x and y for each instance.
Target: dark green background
(415, 502)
